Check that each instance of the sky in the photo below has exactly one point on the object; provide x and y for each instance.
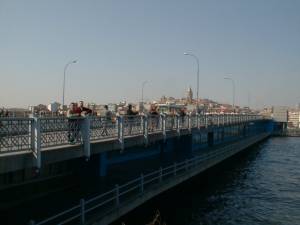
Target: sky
(120, 44)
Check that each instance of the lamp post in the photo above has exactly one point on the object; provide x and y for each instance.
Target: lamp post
(233, 91)
(143, 85)
(64, 82)
(197, 60)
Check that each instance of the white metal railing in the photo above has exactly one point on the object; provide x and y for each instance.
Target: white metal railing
(15, 134)
(56, 131)
(36, 133)
(122, 194)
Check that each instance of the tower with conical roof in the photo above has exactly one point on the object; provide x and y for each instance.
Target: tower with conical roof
(189, 95)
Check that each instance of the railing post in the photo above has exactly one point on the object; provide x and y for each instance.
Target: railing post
(160, 174)
(198, 120)
(121, 131)
(82, 211)
(145, 128)
(190, 122)
(117, 195)
(175, 168)
(36, 141)
(178, 124)
(206, 121)
(163, 120)
(142, 183)
(218, 120)
(85, 131)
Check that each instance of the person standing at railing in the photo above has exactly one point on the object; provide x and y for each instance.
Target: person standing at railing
(154, 117)
(106, 120)
(172, 115)
(73, 115)
(182, 115)
(130, 117)
(84, 111)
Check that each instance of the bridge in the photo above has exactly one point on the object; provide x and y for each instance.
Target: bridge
(189, 145)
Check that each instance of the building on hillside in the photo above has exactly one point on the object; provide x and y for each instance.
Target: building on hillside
(38, 108)
(294, 119)
(280, 114)
(54, 107)
(189, 96)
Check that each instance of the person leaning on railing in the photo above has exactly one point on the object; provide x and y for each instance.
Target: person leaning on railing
(154, 117)
(73, 115)
(106, 121)
(130, 117)
(84, 111)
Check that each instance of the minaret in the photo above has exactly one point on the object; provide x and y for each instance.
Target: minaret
(189, 95)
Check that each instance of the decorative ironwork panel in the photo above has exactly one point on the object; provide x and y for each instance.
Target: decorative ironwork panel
(183, 122)
(103, 128)
(171, 122)
(154, 124)
(60, 131)
(15, 134)
(194, 121)
(133, 125)
(202, 119)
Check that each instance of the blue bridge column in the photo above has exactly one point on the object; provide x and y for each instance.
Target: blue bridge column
(103, 164)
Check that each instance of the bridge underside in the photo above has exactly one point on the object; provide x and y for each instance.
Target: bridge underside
(174, 176)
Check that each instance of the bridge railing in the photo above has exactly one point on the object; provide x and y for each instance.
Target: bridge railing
(15, 134)
(155, 123)
(34, 134)
(133, 125)
(55, 131)
(103, 128)
(125, 193)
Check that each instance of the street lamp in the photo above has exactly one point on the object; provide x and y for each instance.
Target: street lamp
(197, 60)
(233, 91)
(65, 69)
(143, 85)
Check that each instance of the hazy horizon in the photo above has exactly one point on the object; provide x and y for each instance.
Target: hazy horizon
(120, 44)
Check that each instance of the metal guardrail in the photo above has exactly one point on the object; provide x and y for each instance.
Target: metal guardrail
(133, 125)
(34, 134)
(155, 124)
(15, 134)
(122, 194)
(55, 131)
(103, 128)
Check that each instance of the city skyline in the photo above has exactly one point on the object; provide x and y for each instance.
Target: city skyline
(118, 46)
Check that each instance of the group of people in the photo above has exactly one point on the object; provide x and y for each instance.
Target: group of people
(78, 110)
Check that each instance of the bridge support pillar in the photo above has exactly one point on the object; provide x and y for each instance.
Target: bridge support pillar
(103, 164)
(210, 138)
(85, 130)
(178, 124)
(36, 141)
(145, 128)
(121, 131)
(163, 118)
